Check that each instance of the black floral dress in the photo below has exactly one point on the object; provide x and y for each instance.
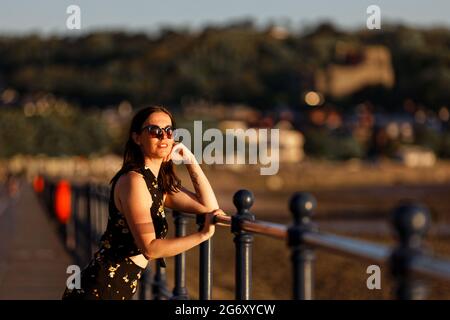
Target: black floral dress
(111, 274)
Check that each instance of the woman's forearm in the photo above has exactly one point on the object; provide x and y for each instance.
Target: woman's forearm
(160, 248)
(202, 186)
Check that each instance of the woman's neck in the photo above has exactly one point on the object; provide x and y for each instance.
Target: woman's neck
(153, 164)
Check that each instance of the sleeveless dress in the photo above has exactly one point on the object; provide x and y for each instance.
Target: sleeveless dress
(111, 274)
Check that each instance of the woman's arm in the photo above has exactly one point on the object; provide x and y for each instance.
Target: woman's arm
(159, 248)
(135, 202)
(203, 189)
(172, 247)
(204, 199)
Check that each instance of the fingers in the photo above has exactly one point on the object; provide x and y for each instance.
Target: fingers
(219, 212)
(182, 155)
(177, 158)
(177, 146)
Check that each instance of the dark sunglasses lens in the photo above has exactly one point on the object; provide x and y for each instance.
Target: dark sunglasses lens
(155, 132)
(169, 131)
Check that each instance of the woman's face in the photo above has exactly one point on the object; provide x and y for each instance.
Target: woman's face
(154, 147)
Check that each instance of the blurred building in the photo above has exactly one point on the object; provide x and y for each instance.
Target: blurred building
(416, 156)
(291, 143)
(374, 67)
(203, 110)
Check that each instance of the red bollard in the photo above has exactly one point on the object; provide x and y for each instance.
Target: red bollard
(38, 184)
(63, 201)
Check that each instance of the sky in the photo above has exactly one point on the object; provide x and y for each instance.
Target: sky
(49, 16)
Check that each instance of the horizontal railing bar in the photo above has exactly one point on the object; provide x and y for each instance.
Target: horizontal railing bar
(424, 265)
(224, 221)
(433, 267)
(220, 220)
(352, 247)
(271, 229)
(302, 206)
(275, 230)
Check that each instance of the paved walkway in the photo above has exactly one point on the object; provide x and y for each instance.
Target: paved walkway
(33, 260)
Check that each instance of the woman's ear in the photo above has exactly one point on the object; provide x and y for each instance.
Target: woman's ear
(135, 138)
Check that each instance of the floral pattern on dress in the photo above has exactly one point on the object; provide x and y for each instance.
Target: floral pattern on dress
(111, 274)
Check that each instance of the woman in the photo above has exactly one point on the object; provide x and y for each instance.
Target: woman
(137, 225)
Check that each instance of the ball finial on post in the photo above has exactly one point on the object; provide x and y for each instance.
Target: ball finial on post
(243, 200)
(302, 206)
(411, 222)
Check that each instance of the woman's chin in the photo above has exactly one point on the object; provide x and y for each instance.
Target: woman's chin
(161, 154)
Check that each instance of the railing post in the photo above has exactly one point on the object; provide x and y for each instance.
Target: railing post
(76, 224)
(180, 290)
(159, 286)
(94, 217)
(243, 200)
(70, 225)
(51, 198)
(411, 222)
(302, 206)
(205, 272)
(145, 284)
(86, 225)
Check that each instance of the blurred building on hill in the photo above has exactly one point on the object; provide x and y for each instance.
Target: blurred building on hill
(370, 67)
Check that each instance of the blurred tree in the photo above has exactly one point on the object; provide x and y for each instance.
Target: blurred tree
(236, 63)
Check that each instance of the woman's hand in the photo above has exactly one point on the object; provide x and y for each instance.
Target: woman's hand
(209, 227)
(180, 154)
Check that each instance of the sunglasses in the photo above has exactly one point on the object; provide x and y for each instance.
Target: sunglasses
(157, 132)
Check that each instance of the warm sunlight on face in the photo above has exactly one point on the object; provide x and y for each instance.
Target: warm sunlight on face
(154, 147)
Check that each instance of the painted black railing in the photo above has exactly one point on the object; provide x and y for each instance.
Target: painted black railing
(407, 260)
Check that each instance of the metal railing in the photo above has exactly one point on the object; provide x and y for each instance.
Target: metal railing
(406, 260)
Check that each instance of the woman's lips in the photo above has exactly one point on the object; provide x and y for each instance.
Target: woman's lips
(163, 145)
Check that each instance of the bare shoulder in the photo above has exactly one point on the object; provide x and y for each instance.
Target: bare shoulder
(131, 181)
(133, 199)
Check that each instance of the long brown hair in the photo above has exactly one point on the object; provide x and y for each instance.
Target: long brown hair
(133, 158)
